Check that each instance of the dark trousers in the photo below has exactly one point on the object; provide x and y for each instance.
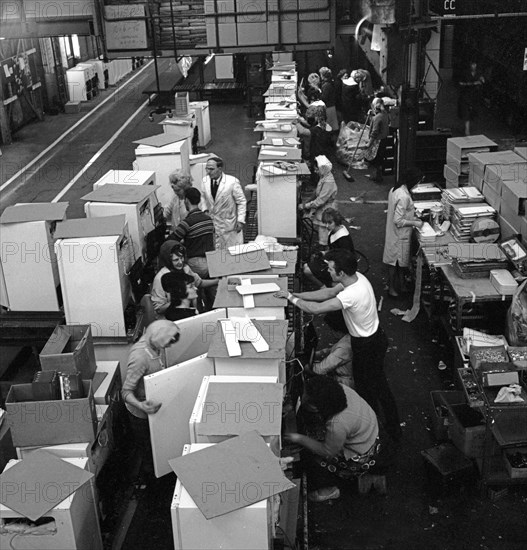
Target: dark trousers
(370, 380)
(141, 432)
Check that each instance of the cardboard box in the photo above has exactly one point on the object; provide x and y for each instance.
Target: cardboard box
(514, 195)
(69, 350)
(50, 422)
(467, 430)
(492, 196)
(496, 175)
(478, 162)
(460, 147)
(522, 151)
(107, 382)
(511, 217)
(515, 472)
(506, 229)
(459, 166)
(455, 178)
(439, 419)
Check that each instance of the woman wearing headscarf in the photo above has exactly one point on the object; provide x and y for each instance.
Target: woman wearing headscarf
(400, 221)
(325, 197)
(328, 97)
(172, 256)
(146, 357)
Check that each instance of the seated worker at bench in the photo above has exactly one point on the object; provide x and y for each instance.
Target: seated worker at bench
(349, 445)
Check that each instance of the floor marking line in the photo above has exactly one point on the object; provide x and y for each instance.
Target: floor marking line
(61, 137)
(99, 153)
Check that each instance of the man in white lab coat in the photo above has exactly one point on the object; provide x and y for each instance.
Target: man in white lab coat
(226, 203)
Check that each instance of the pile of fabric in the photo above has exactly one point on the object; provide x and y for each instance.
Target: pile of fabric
(352, 142)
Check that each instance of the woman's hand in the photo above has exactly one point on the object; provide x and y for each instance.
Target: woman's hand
(419, 223)
(150, 407)
(281, 294)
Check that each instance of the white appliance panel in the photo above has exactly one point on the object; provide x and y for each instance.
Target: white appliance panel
(30, 272)
(176, 388)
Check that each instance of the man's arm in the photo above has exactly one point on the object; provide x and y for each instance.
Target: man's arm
(240, 200)
(181, 231)
(320, 295)
(315, 308)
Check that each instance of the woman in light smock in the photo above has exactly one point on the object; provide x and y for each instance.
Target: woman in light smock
(325, 197)
(400, 221)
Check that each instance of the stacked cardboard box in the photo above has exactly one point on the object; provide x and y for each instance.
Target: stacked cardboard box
(505, 188)
(186, 19)
(479, 162)
(259, 22)
(456, 169)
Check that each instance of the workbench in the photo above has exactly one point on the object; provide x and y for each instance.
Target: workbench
(469, 291)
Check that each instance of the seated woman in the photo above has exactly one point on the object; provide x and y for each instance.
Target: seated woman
(311, 92)
(172, 256)
(321, 138)
(347, 446)
(183, 295)
(306, 123)
(316, 270)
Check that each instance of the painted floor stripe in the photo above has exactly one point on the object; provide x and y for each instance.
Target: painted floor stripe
(78, 123)
(93, 160)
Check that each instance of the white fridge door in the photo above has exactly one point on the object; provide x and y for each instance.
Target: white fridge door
(176, 388)
(196, 335)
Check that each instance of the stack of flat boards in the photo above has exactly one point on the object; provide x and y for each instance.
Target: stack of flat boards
(464, 216)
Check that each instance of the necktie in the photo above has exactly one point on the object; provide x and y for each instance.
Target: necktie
(214, 188)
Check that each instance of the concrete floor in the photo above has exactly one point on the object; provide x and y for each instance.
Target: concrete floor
(412, 515)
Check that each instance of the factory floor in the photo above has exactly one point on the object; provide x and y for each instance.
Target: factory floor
(419, 510)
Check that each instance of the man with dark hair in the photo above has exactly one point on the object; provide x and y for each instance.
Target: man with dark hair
(196, 231)
(350, 442)
(354, 296)
(226, 203)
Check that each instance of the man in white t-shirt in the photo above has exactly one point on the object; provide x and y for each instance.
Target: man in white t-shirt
(354, 296)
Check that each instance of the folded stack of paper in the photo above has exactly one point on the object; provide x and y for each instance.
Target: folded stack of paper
(460, 195)
(464, 216)
(426, 234)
